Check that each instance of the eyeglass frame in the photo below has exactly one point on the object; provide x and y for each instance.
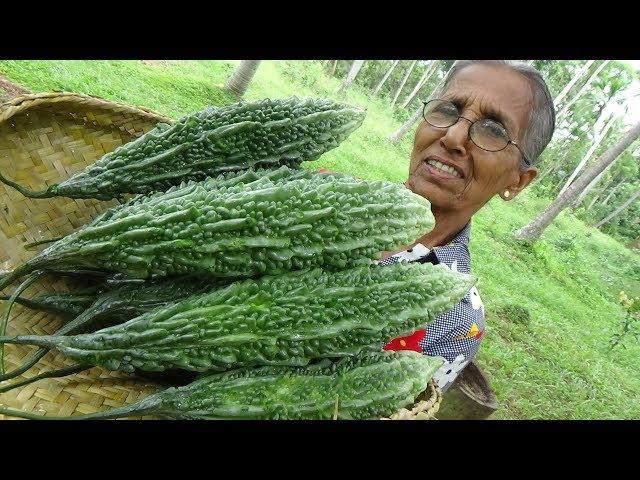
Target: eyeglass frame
(472, 122)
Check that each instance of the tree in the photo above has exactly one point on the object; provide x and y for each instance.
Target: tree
(402, 131)
(586, 158)
(351, 76)
(572, 82)
(598, 196)
(549, 170)
(582, 90)
(627, 168)
(589, 187)
(534, 229)
(608, 91)
(332, 67)
(428, 72)
(613, 214)
(386, 75)
(612, 192)
(404, 80)
(239, 81)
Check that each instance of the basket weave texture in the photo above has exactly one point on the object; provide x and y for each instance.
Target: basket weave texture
(425, 406)
(44, 139)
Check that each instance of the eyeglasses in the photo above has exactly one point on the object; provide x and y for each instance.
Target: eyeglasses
(487, 134)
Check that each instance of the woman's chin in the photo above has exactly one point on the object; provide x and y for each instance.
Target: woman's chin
(428, 190)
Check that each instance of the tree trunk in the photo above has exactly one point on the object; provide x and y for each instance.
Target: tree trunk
(607, 188)
(572, 82)
(613, 190)
(615, 213)
(332, 70)
(557, 162)
(589, 187)
(239, 81)
(386, 75)
(402, 131)
(582, 90)
(534, 229)
(593, 202)
(404, 80)
(586, 158)
(424, 79)
(549, 170)
(351, 76)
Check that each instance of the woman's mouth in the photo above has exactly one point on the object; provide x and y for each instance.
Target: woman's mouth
(441, 170)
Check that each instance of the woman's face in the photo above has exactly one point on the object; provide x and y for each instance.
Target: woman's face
(479, 91)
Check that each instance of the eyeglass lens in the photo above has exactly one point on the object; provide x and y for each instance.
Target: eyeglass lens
(485, 133)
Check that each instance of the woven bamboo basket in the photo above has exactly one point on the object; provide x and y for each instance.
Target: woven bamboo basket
(45, 138)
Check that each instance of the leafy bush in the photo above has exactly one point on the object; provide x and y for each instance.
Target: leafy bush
(630, 326)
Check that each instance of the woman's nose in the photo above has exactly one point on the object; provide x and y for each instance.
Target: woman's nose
(456, 136)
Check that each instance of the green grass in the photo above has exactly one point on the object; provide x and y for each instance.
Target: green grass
(174, 90)
(556, 364)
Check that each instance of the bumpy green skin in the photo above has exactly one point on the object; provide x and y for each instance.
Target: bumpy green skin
(129, 300)
(288, 319)
(109, 304)
(369, 386)
(243, 225)
(265, 133)
(116, 302)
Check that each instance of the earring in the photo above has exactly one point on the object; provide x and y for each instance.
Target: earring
(506, 194)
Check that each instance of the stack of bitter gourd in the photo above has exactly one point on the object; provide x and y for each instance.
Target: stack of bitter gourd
(236, 264)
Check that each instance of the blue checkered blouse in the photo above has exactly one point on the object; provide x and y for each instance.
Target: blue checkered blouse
(454, 335)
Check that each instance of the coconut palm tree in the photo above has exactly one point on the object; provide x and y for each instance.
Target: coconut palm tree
(241, 78)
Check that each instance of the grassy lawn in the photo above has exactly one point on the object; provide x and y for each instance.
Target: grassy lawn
(550, 361)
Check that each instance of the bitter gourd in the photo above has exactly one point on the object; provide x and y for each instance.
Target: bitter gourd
(265, 133)
(242, 225)
(368, 386)
(69, 304)
(288, 319)
(112, 305)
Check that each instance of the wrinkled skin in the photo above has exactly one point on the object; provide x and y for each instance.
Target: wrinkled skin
(476, 90)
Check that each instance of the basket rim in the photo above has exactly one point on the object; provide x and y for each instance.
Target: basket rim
(23, 102)
(426, 406)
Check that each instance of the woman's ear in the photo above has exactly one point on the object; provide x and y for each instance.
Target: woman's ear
(524, 179)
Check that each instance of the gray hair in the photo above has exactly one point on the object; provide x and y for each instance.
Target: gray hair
(542, 119)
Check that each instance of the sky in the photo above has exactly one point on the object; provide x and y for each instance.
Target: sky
(634, 108)
(633, 114)
(635, 63)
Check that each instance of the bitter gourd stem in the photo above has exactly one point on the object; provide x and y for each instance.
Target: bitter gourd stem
(60, 372)
(48, 193)
(40, 340)
(5, 320)
(70, 327)
(126, 411)
(25, 366)
(25, 302)
(28, 415)
(8, 278)
(40, 242)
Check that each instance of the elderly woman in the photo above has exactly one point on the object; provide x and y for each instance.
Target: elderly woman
(481, 133)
